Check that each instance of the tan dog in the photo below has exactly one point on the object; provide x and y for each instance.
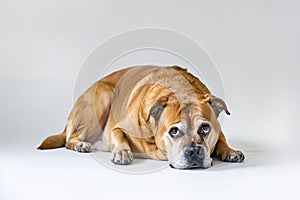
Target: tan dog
(159, 113)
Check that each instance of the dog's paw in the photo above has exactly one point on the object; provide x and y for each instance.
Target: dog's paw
(83, 147)
(122, 157)
(232, 156)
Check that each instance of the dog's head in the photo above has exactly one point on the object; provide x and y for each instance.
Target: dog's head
(187, 130)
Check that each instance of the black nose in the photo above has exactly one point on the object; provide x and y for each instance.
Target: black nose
(194, 152)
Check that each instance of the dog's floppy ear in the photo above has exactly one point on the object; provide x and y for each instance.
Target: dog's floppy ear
(156, 111)
(157, 108)
(218, 105)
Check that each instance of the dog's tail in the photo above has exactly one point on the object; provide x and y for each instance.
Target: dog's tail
(54, 141)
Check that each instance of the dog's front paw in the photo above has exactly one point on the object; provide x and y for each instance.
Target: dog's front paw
(122, 157)
(231, 156)
(83, 147)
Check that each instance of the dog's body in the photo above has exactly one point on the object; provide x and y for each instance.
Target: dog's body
(159, 113)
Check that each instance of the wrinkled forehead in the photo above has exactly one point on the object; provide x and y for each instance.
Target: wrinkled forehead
(196, 111)
(191, 115)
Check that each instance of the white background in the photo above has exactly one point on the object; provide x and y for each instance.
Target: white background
(255, 45)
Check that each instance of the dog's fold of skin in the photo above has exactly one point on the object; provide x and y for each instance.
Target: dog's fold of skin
(162, 113)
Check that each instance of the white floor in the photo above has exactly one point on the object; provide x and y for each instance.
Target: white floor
(27, 173)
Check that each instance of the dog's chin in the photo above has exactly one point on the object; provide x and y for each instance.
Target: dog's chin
(202, 164)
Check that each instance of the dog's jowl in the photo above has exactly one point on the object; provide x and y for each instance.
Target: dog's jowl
(162, 113)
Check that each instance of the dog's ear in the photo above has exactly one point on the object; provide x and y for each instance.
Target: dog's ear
(156, 111)
(157, 108)
(218, 105)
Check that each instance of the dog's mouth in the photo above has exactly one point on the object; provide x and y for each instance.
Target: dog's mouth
(192, 165)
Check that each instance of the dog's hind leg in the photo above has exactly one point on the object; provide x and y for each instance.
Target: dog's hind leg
(88, 118)
(78, 145)
(74, 140)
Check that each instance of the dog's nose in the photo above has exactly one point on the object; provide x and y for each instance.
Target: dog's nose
(194, 152)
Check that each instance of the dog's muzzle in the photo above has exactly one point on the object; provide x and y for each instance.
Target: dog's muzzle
(194, 155)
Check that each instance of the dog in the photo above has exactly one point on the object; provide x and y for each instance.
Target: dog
(162, 113)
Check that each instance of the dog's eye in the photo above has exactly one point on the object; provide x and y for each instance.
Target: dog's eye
(175, 132)
(204, 129)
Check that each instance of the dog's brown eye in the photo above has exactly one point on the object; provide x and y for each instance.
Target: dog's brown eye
(204, 129)
(175, 132)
